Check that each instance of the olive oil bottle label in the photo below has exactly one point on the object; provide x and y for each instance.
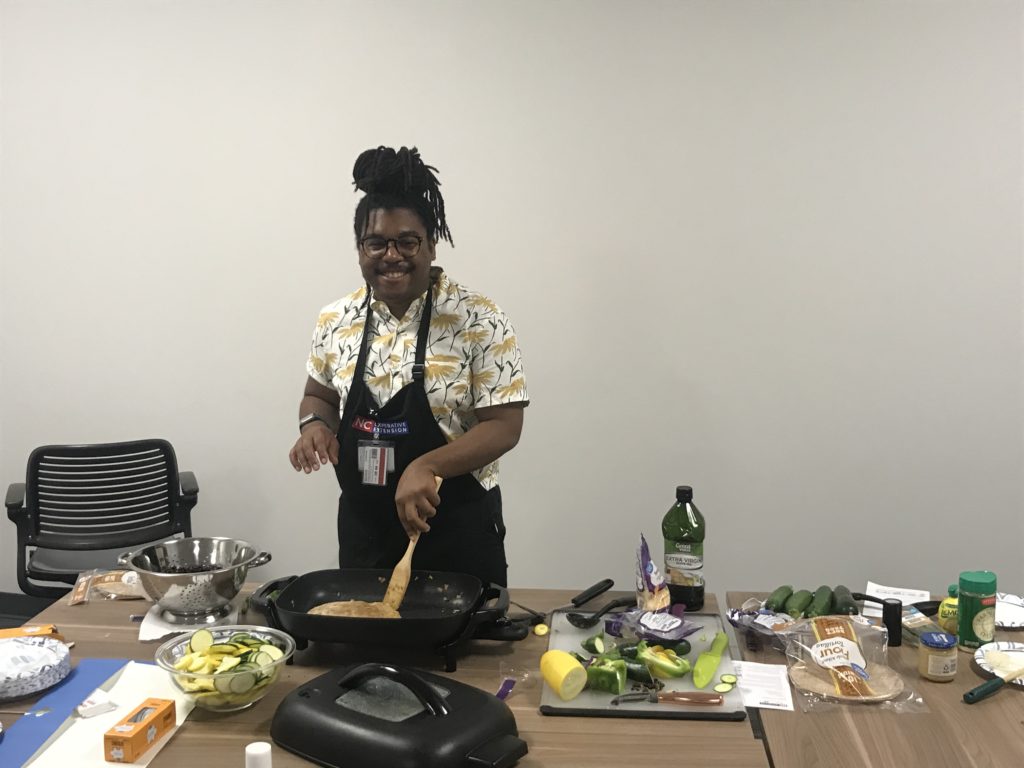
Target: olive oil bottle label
(684, 563)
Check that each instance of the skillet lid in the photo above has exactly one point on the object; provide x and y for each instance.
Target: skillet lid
(380, 715)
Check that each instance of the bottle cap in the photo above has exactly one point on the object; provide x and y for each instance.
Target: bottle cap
(258, 755)
(684, 493)
(937, 640)
(953, 590)
(979, 582)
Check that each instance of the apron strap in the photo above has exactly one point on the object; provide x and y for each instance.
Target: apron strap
(424, 331)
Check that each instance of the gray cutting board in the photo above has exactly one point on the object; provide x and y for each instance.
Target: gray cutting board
(564, 636)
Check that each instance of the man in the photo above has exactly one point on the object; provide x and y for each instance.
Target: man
(411, 378)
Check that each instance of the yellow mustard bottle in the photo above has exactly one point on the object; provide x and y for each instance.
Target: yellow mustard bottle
(949, 611)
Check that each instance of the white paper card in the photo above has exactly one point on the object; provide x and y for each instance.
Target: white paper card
(900, 593)
(765, 686)
(80, 741)
(155, 627)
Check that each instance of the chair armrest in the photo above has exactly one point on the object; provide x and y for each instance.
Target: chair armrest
(15, 501)
(189, 486)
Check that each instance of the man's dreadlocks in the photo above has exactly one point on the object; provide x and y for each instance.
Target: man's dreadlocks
(399, 179)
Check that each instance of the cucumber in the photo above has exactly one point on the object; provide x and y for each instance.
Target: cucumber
(797, 603)
(682, 647)
(723, 687)
(730, 679)
(777, 600)
(821, 602)
(844, 602)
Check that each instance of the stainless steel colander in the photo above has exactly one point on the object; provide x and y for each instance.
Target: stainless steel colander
(198, 596)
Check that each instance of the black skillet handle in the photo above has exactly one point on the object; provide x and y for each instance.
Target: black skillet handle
(492, 622)
(591, 592)
(500, 752)
(428, 697)
(264, 596)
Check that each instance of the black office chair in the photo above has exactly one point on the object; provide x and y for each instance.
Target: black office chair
(83, 505)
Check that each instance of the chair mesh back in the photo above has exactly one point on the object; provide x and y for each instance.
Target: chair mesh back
(103, 496)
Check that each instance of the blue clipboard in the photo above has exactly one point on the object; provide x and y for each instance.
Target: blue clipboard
(29, 733)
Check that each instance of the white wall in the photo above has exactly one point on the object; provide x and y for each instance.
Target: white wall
(769, 249)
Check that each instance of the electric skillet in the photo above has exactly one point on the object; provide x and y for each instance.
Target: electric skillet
(383, 716)
(441, 610)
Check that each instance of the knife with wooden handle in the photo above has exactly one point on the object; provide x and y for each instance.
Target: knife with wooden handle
(671, 697)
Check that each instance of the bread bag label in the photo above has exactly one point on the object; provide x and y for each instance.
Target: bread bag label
(838, 651)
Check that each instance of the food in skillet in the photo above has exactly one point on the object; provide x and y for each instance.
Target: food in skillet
(356, 609)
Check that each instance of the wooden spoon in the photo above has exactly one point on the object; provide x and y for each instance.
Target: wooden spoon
(403, 571)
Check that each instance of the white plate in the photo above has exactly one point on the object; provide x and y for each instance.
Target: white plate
(1009, 611)
(1014, 650)
(30, 665)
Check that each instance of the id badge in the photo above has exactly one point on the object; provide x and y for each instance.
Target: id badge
(375, 459)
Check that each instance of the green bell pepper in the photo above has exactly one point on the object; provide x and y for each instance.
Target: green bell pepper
(607, 676)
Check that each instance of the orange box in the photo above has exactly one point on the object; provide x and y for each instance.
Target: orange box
(127, 741)
(33, 630)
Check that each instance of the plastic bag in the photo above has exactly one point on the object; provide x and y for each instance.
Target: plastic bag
(836, 661)
(655, 626)
(106, 585)
(753, 618)
(651, 590)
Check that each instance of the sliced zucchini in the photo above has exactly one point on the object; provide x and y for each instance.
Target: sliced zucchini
(594, 644)
(200, 641)
(727, 678)
(723, 687)
(242, 682)
(261, 658)
(273, 651)
(223, 648)
(228, 662)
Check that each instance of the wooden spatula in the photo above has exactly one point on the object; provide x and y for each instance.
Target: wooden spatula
(403, 571)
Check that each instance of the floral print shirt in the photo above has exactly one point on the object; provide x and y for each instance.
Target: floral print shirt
(473, 359)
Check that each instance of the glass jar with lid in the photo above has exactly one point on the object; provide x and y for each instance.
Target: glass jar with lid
(936, 657)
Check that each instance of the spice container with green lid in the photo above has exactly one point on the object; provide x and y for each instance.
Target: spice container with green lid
(976, 607)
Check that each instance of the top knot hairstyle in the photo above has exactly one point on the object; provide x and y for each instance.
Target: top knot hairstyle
(399, 179)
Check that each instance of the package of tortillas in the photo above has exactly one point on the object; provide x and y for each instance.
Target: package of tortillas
(29, 665)
(843, 660)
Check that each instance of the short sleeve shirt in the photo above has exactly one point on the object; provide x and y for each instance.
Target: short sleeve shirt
(472, 360)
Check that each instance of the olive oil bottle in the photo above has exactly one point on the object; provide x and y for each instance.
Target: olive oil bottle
(683, 531)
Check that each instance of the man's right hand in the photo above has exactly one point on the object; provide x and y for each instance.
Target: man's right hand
(316, 445)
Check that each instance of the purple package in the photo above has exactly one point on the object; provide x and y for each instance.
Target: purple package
(651, 591)
(658, 626)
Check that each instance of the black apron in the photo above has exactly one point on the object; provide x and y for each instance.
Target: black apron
(466, 535)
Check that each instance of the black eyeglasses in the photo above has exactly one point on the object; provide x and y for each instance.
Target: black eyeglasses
(375, 247)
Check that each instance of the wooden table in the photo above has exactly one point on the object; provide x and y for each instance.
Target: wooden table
(103, 629)
(989, 734)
